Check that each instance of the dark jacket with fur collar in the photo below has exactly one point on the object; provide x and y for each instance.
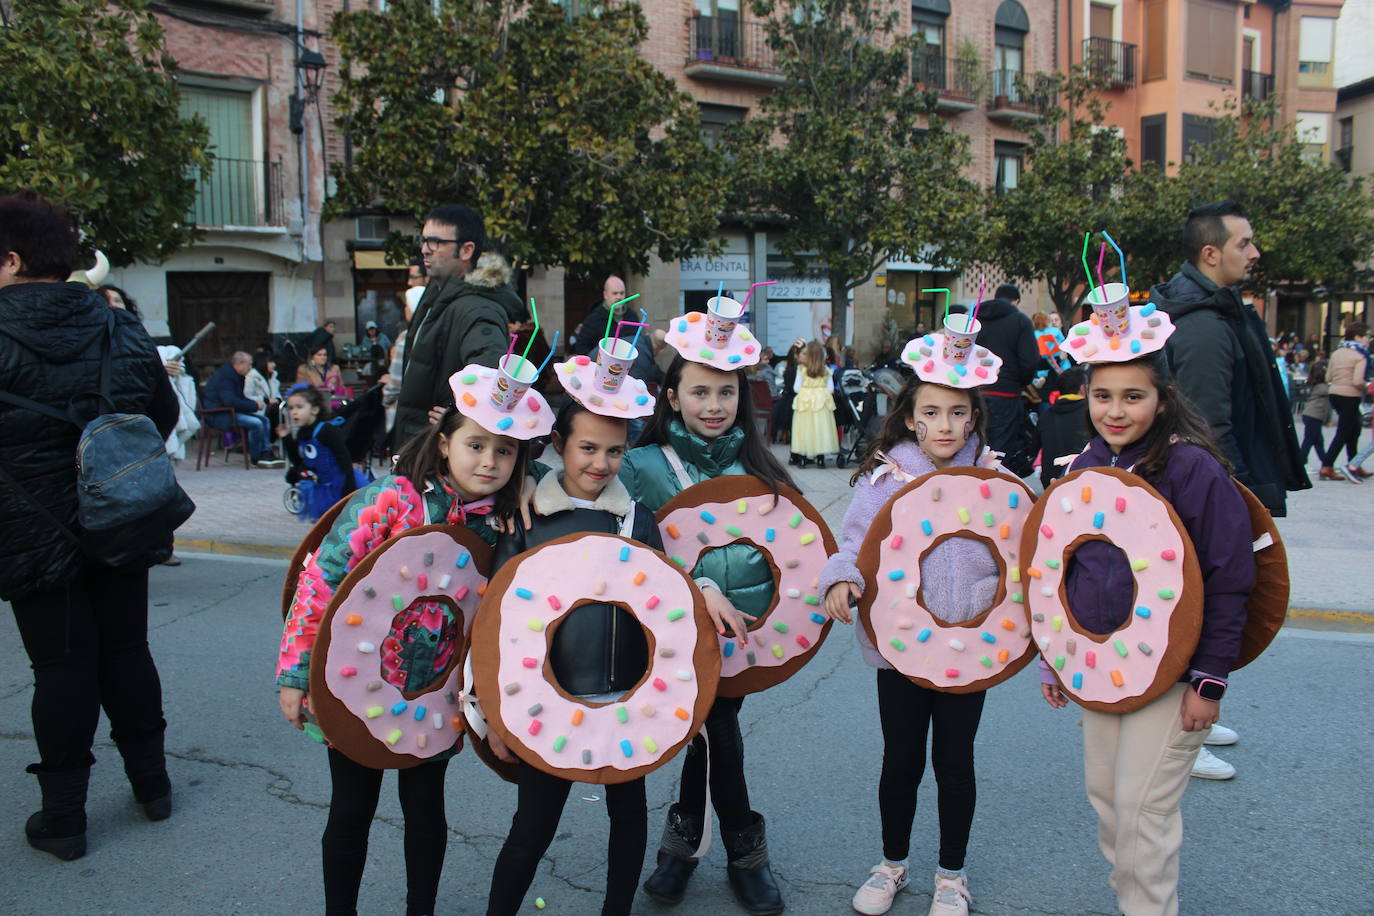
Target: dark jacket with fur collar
(459, 321)
(594, 650)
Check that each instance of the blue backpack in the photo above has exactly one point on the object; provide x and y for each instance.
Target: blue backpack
(128, 501)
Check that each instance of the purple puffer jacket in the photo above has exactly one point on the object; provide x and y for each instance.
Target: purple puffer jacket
(1101, 592)
(959, 578)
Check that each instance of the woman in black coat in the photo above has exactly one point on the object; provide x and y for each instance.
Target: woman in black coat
(83, 624)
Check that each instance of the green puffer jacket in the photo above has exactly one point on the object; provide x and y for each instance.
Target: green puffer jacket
(741, 571)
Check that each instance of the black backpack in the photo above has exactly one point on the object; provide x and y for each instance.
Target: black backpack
(128, 501)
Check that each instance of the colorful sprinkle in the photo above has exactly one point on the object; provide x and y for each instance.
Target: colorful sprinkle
(729, 649)
(770, 535)
(512, 689)
(627, 748)
(795, 520)
(530, 662)
(577, 717)
(951, 672)
(348, 671)
(1167, 555)
(624, 554)
(559, 743)
(957, 645)
(1143, 612)
(365, 647)
(1117, 679)
(1099, 519)
(926, 528)
(622, 715)
(777, 651)
(1013, 499)
(896, 574)
(1166, 593)
(817, 618)
(1052, 563)
(1047, 531)
(1059, 663)
(1057, 623)
(1139, 564)
(554, 602)
(505, 423)
(374, 712)
(398, 602)
(1121, 504)
(1078, 680)
(987, 637)
(1144, 648)
(923, 636)
(674, 532)
(468, 399)
(989, 519)
(639, 578)
(812, 600)
(651, 602)
(524, 593)
(963, 516)
(676, 614)
(462, 560)
(536, 625)
(1090, 659)
(1004, 532)
(985, 491)
(897, 644)
(704, 354)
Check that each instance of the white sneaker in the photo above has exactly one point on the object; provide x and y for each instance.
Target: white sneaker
(1210, 766)
(951, 895)
(1220, 735)
(1349, 471)
(875, 896)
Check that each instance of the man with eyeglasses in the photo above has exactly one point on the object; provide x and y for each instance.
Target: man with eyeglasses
(461, 319)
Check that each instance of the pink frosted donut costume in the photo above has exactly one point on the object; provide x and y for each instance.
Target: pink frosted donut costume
(577, 739)
(797, 543)
(577, 376)
(956, 502)
(1145, 656)
(426, 564)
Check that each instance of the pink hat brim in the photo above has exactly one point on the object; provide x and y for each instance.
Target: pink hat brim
(530, 419)
(926, 356)
(577, 376)
(1086, 343)
(688, 338)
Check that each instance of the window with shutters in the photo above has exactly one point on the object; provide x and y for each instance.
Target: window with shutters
(1009, 158)
(1154, 140)
(928, 60)
(1316, 39)
(1210, 52)
(715, 119)
(235, 192)
(1198, 132)
(1156, 40)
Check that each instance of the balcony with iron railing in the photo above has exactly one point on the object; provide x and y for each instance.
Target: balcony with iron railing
(1256, 86)
(1015, 97)
(239, 193)
(1112, 62)
(955, 80)
(726, 49)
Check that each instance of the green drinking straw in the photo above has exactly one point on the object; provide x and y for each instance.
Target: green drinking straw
(534, 310)
(1086, 236)
(607, 333)
(946, 292)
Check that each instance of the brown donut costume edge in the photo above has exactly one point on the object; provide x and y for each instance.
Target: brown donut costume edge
(868, 561)
(741, 486)
(309, 544)
(1268, 605)
(485, 650)
(1185, 622)
(342, 728)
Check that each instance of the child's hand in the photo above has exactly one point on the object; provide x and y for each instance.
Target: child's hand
(1054, 695)
(498, 747)
(839, 599)
(507, 525)
(724, 614)
(1199, 714)
(292, 702)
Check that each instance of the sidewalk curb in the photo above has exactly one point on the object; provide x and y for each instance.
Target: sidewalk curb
(1324, 619)
(230, 548)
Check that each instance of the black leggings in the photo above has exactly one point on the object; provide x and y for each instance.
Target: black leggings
(1347, 429)
(88, 645)
(729, 794)
(351, 809)
(906, 711)
(1312, 438)
(532, 829)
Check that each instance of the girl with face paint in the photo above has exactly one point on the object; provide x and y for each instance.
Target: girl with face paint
(929, 428)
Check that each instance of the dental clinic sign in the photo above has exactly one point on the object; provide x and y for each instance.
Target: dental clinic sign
(708, 273)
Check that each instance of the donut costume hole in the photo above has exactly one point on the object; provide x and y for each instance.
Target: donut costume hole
(429, 619)
(625, 619)
(1109, 555)
(762, 620)
(926, 569)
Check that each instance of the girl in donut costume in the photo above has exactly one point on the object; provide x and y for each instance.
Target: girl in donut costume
(456, 472)
(594, 655)
(703, 427)
(930, 427)
(1137, 763)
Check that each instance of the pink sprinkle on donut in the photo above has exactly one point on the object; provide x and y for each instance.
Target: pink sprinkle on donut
(803, 642)
(929, 366)
(896, 542)
(533, 403)
(348, 671)
(530, 662)
(1078, 342)
(951, 672)
(659, 684)
(985, 491)
(652, 602)
(1090, 659)
(980, 372)
(1121, 504)
(535, 725)
(749, 348)
(1167, 555)
(461, 593)
(1047, 531)
(422, 581)
(582, 360)
(555, 603)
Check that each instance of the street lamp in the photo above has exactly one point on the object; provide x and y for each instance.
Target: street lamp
(310, 65)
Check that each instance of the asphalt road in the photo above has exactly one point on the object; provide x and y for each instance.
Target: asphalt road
(1290, 835)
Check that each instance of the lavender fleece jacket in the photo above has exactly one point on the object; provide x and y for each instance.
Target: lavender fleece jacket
(959, 578)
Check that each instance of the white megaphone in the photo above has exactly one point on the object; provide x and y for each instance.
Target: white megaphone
(93, 276)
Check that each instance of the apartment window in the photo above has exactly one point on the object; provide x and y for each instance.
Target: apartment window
(372, 228)
(714, 120)
(1154, 139)
(1314, 131)
(1009, 158)
(1156, 40)
(1211, 50)
(1198, 132)
(1009, 32)
(928, 19)
(718, 27)
(233, 195)
(1345, 146)
(1316, 38)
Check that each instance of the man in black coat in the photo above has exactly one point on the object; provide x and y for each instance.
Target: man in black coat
(84, 625)
(1221, 357)
(589, 333)
(1007, 332)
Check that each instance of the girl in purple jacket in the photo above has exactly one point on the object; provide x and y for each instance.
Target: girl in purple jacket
(930, 427)
(1136, 764)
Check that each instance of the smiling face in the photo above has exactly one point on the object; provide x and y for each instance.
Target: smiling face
(1123, 403)
(320, 357)
(479, 462)
(707, 399)
(301, 411)
(591, 454)
(942, 419)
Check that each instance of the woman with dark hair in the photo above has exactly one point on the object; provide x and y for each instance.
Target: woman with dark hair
(116, 298)
(782, 408)
(84, 624)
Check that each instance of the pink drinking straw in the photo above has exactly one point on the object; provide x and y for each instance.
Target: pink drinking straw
(1101, 252)
(512, 346)
(633, 324)
(982, 285)
(745, 303)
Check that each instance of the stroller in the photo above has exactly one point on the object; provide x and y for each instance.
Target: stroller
(861, 409)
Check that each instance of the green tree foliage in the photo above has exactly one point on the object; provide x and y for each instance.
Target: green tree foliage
(847, 153)
(1075, 171)
(573, 148)
(89, 118)
(1311, 220)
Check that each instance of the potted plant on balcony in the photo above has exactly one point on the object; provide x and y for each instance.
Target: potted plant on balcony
(970, 76)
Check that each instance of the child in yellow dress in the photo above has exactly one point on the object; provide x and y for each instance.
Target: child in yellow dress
(813, 410)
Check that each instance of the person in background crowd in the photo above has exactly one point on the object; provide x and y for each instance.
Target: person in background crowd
(786, 374)
(118, 299)
(1315, 412)
(1220, 356)
(321, 373)
(84, 625)
(589, 333)
(1345, 372)
(1007, 332)
(323, 336)
(225, 389)
(416, 278)
(1063, 427)
(261, 384)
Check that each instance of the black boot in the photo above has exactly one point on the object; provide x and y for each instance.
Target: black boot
(681, 837)
(60, 828)
(750, 876)
(145, 764)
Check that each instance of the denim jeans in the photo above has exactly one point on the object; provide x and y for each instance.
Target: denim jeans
(258, 433)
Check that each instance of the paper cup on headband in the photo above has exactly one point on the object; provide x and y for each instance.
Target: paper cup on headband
(1112, 306)
(613, 360)
(514, 376)
(722, 314)
(960, 332)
